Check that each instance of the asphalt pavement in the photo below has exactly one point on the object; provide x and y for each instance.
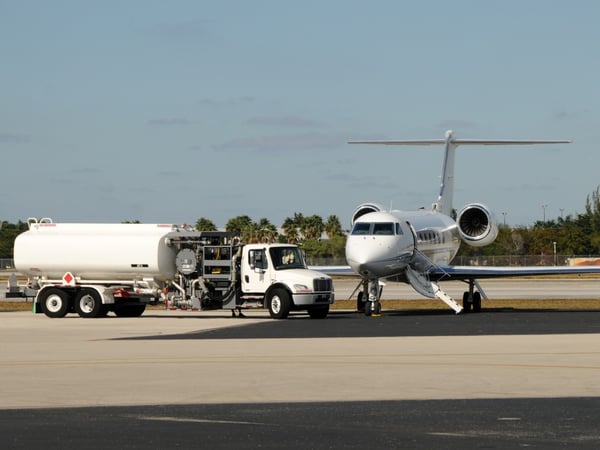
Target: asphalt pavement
(501, 378)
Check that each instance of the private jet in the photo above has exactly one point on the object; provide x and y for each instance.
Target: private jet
(417, 247)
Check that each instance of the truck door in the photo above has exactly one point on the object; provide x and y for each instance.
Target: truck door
(256, 272)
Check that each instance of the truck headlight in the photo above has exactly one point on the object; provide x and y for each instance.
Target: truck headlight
(302, 289)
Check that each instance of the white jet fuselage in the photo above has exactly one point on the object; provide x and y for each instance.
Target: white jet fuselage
(383, 244)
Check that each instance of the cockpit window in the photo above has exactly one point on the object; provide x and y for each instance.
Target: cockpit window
(383, 228)
(361, 228)
(377, 228)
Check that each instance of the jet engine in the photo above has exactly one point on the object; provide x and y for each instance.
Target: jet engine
(365, 208)
(476, 225)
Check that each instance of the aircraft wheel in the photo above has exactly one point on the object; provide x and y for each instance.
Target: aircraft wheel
(55, 303)
(466, 303)
(476, 302)
(279, 303)
(368, 308)
(377, 308)
(360, 303)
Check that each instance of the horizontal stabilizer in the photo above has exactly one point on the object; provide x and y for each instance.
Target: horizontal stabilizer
(464, 142)
(444, 201)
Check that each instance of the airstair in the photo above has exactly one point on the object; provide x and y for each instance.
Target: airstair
(430, 289)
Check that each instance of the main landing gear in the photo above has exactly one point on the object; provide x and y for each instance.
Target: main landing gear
(472, 298)
(372, 290)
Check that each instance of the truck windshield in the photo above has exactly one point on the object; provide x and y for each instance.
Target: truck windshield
(286, 258)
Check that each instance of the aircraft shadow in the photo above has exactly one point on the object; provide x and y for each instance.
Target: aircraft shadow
(405, 323)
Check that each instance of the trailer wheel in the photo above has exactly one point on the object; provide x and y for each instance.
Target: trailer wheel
(279, 303)
(318, 312)
(88, 303)
(55, 303)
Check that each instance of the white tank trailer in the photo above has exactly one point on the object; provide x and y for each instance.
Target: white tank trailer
(121, 251)
(92, 269)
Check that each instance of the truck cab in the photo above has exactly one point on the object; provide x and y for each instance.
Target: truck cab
(278, 274)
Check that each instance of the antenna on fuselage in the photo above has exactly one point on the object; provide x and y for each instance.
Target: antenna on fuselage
(444, 201)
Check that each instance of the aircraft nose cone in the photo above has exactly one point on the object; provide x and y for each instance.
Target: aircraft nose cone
(358, 255)
(378, 256)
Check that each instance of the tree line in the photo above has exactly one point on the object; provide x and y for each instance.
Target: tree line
(570, 235)
(573, 235)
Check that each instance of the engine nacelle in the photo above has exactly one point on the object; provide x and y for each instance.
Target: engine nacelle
(363, 209)
(476, 225)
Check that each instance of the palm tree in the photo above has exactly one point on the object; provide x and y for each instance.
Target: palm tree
(290, 230)
(312, 227)
(203, 224)
(333, 227)
(242, 225)
(268, 231)
(238, 224)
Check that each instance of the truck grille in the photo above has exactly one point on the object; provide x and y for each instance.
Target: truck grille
(323, 285)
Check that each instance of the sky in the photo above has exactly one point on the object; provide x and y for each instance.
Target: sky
(166, 112)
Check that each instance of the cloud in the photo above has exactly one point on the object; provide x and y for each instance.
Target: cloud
(569, 115)
(305, 141)
(217, 103)
(364, 182)
(284, 121)
(13, 138)
(168, 173)
(184, 30)
(458, 124)
(528, 187)
(168, 122)
(86, 170)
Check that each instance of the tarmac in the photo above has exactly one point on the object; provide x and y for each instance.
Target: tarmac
(502, 378)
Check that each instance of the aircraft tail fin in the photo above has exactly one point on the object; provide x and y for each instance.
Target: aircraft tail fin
(444, 201)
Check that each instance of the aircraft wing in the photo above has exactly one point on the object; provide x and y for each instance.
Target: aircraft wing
(446, 273)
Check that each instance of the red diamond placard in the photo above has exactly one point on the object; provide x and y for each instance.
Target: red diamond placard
(68, 278)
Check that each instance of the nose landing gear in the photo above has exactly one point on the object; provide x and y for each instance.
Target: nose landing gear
(372, 305)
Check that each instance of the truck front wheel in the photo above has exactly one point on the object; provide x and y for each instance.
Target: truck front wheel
(279, 303)
(88, 304)
(55, 303)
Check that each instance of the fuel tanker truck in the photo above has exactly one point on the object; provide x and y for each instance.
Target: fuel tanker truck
(93, 269)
